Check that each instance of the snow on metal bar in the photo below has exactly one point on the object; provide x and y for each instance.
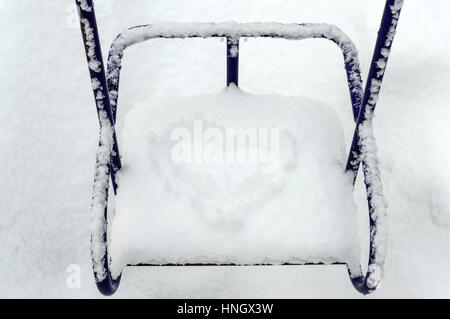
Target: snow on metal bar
(233, 30)
(85, 5)
(107, 160)
(364, 150)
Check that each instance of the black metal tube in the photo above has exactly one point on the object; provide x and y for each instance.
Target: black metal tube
(107, 286)
(375, 77)
(232, 61)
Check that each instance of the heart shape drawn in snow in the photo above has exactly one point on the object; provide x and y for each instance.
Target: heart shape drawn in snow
(222, 172)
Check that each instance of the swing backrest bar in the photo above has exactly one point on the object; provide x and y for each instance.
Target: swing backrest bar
(233, 32)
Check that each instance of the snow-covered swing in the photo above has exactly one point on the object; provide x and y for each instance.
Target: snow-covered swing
(235, 214)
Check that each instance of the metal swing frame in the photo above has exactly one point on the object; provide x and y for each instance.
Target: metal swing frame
(106, 84)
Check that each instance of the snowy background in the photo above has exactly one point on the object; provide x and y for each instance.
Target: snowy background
(49, 135)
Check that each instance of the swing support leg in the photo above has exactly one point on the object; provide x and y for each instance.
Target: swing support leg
(363, 140)
(99, 252)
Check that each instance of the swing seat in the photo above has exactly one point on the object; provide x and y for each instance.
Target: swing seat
(233, 178)
(282, 197)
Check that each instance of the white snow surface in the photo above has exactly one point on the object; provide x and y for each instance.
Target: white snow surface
(233, 178)
(49, 137)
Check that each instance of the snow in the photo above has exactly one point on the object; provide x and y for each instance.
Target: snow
(269, 197)
(378, 202)
(94, 63)
(49, 137)
(84, 5)
(100, 192)
(234, 51)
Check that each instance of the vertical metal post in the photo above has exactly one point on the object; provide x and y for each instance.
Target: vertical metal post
(105, 283)
(380, 58)
(97, 70)
(232, 61)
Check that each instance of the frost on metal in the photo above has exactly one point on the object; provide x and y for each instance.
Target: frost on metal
(101, 185)
(84, 5)
(234, 51)
(93, 62)
(378, 203)
(395, 9)
(233, 30)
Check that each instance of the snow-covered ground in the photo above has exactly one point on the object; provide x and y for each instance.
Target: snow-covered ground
(49, 135)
